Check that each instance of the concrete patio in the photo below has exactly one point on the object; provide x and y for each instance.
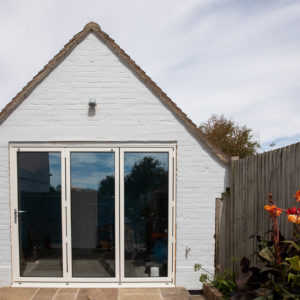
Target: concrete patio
(7, 293)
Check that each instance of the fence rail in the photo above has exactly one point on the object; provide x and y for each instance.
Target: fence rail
(241, 214)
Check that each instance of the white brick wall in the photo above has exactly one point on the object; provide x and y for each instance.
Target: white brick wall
(57, 110)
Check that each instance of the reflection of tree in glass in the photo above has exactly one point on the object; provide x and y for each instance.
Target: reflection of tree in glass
(146, 174)
(107, 185)
(53, 189)
(145, 209)
(106, 210)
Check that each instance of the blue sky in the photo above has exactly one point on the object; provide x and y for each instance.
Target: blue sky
(89, 169)
(240, 58)
(55, 169)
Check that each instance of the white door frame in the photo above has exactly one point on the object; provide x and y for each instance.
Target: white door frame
(67, 278)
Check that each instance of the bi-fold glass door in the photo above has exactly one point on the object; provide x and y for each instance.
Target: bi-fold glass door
(93, 197)
(39, 214)
(146, 202)
(92, 215)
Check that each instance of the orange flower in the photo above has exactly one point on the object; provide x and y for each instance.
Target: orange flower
(273, 210)
(297, 196)
(292, 218)
(270, 207)
(298, 221)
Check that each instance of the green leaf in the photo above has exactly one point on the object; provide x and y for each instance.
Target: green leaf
(295, 279)
(292, 245)
(203, 278)
(197, 267)
(294, 262)
(267, 255)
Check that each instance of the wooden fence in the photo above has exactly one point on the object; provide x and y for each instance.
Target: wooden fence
(240, 213)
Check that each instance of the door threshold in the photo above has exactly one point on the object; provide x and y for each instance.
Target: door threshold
(93, 284)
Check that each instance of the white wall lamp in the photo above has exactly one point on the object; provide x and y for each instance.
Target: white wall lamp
(92, 103)
(92, 107)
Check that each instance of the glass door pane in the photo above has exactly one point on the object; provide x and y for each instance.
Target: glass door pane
(93, 214)
(146, 214)
(39, 214)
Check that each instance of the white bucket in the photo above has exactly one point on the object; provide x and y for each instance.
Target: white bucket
(154, 271)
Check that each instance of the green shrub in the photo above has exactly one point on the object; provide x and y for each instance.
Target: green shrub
(269, 280)
(223, 282)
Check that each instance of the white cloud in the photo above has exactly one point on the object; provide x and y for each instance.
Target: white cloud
(240, 58)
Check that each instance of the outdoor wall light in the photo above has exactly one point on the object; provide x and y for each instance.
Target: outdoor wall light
(92, 107)
(92, 103)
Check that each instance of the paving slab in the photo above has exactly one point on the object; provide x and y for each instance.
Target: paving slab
(177, 293)
(66, 294)
(97, 294)
(7, 293)
(196, 297)
(45, 294)
(67, 291)
(139, 294)
(139, 291)
(155, 296)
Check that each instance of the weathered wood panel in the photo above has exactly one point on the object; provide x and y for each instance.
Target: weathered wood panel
(242, 214)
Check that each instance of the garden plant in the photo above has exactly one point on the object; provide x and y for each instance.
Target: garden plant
(276, 275)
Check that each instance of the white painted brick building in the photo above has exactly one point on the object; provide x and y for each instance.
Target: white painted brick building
(52, 111)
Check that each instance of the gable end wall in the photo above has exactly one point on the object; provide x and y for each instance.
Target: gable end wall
(57, 110)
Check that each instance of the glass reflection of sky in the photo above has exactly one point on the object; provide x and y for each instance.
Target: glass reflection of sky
(89, 168)
(55, 169)
(131, 157)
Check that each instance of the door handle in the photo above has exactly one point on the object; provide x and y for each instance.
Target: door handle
(16, 214)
